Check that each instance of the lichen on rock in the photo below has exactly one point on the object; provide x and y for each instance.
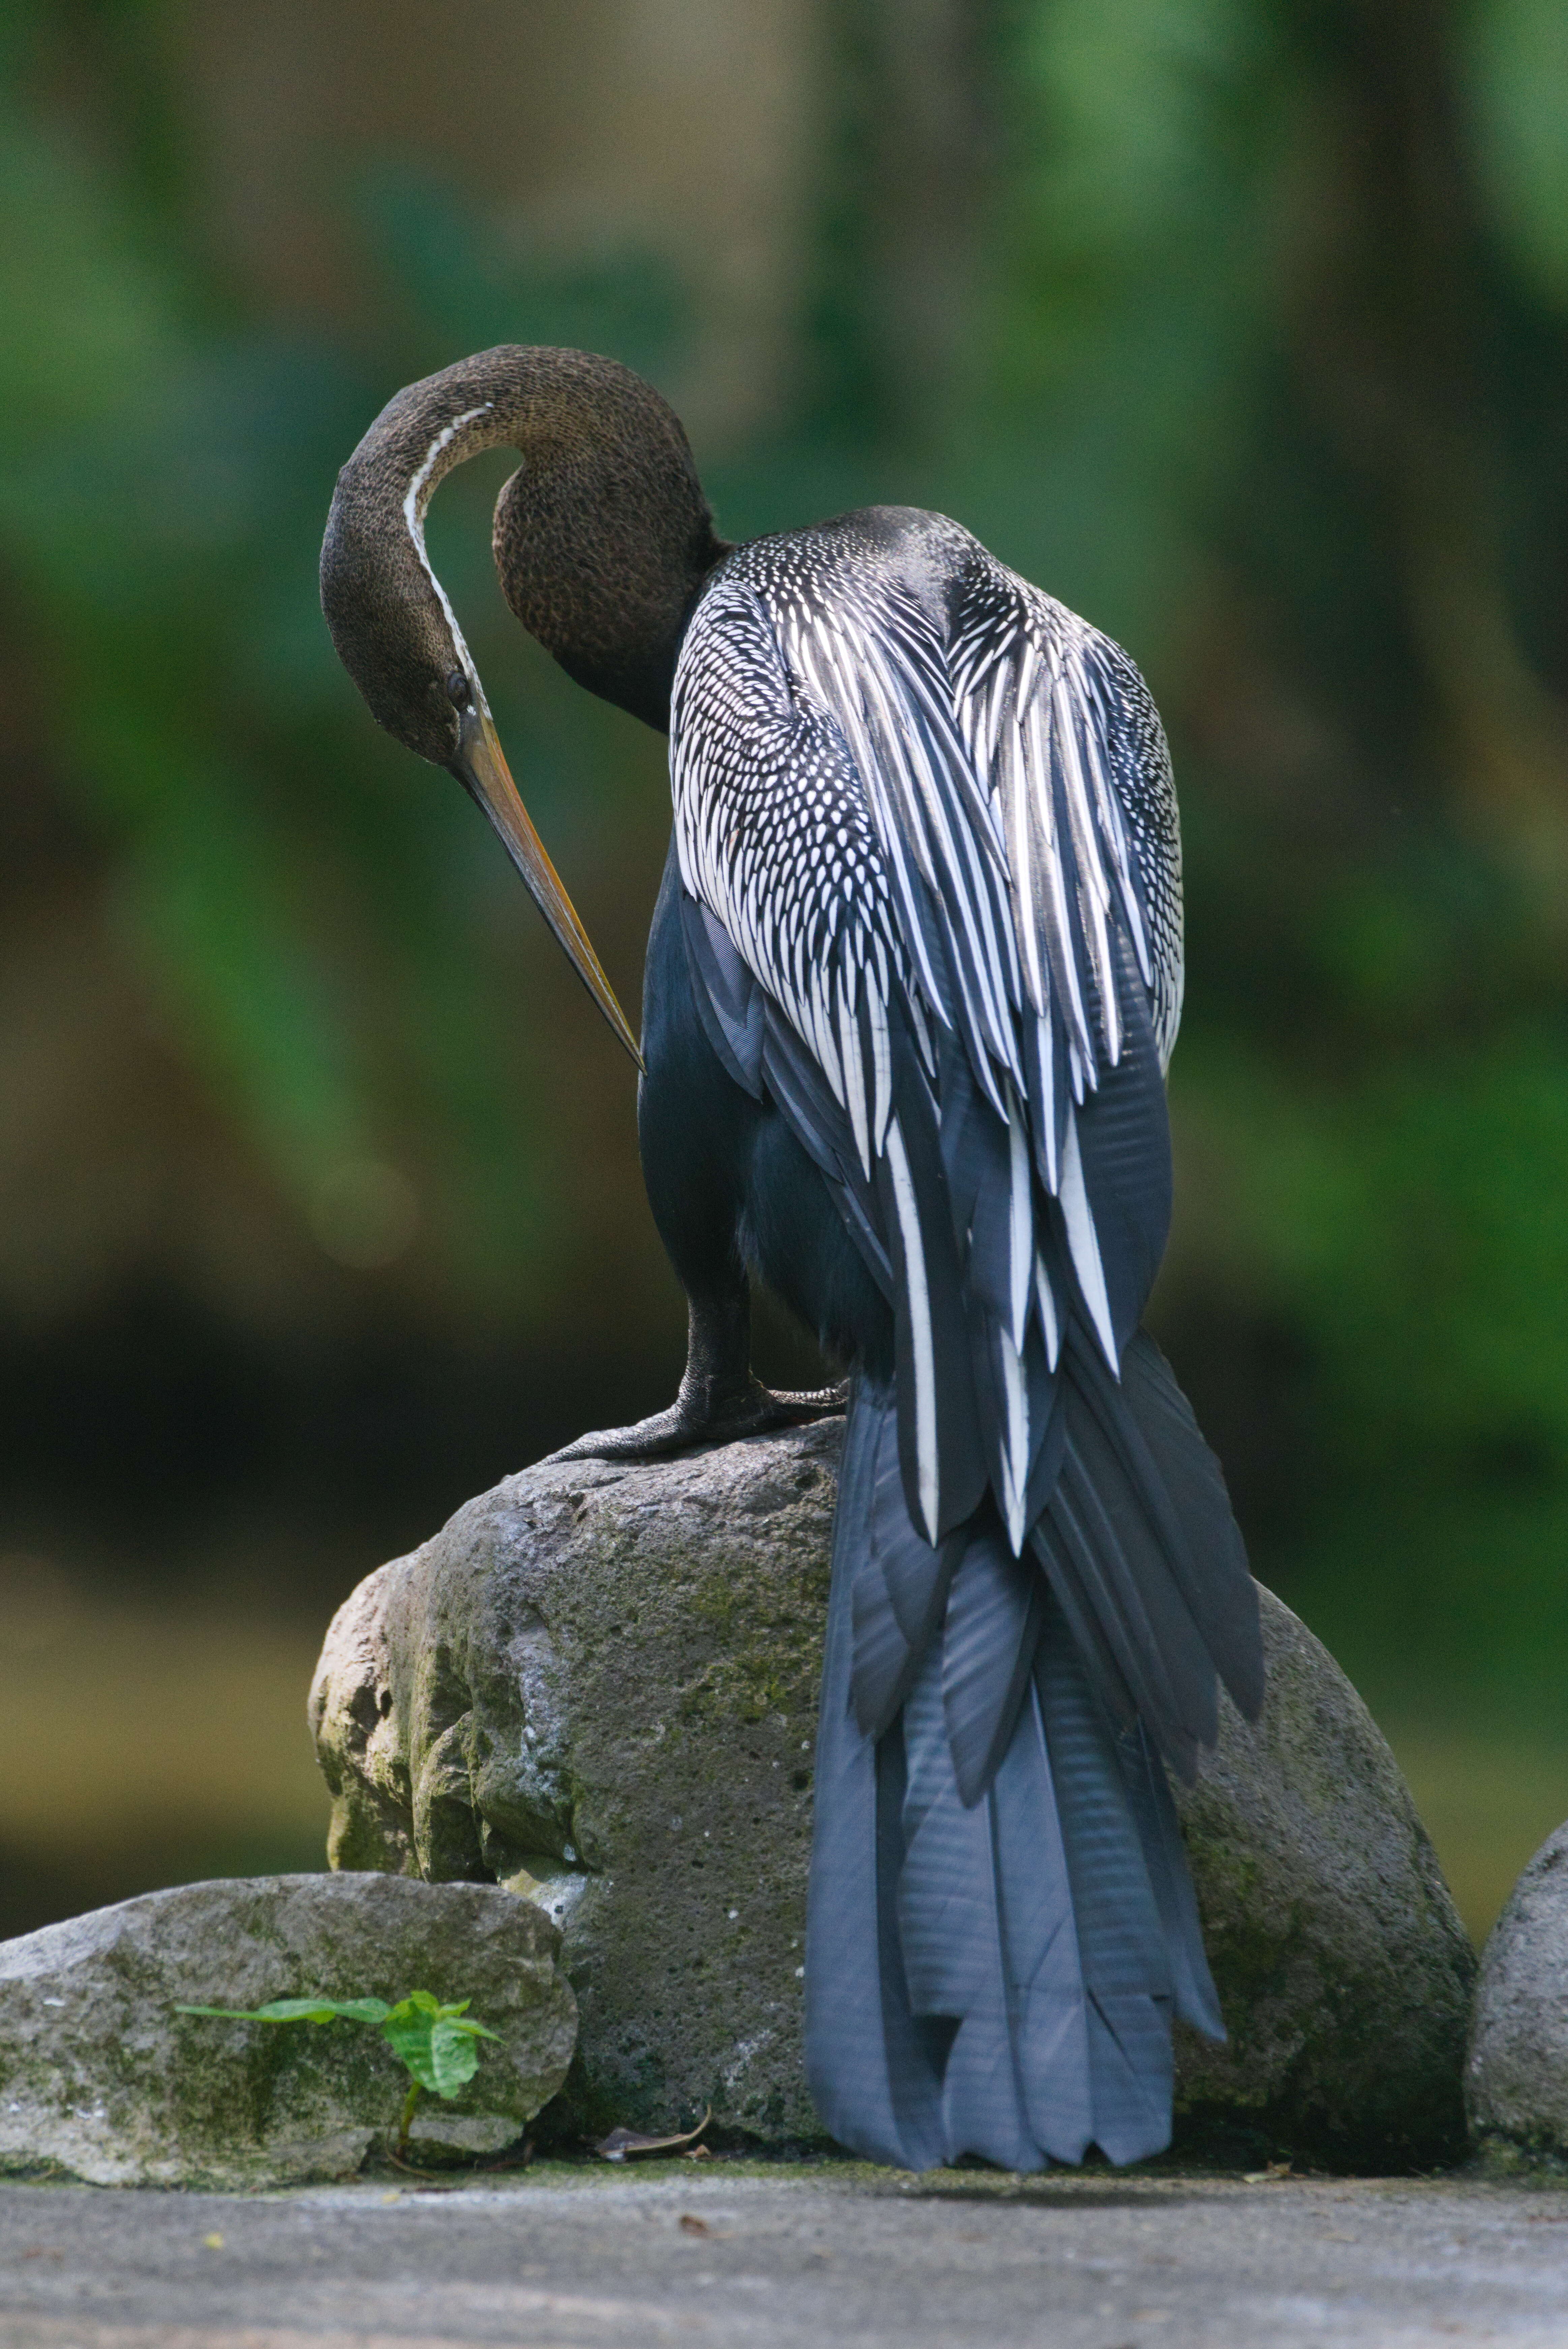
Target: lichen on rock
(102, 2079)
(599, 1684)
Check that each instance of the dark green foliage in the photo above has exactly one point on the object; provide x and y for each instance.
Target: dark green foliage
(1248, 336)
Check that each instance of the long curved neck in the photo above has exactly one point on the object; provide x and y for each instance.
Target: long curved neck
(603, 537)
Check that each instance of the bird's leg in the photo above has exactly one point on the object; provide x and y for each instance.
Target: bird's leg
(719, 1398)
(698, 1132)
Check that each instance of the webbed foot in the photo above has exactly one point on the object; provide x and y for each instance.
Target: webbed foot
(699, 1417)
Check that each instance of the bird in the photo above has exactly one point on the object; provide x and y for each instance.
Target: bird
(912, 987)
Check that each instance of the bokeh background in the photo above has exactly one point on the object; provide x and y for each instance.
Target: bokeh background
(1241, 325)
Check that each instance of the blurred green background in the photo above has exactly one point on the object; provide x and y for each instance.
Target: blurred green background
(1241, 325)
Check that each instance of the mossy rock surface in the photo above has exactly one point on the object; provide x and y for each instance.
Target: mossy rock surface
(102, 2079)
(599, 1684)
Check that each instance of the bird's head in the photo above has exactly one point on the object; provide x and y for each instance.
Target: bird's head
(602, 539)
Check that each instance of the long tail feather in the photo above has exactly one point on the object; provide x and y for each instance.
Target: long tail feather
(1001, 1925)
(995, 1610)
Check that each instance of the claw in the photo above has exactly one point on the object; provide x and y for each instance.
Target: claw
(755, 1411)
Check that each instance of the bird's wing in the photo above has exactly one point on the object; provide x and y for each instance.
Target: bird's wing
(912, 841)
(1060, 725)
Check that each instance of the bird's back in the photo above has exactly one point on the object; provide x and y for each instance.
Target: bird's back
(898, 580)
(932, 812)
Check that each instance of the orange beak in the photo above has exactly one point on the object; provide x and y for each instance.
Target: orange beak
(481, 767)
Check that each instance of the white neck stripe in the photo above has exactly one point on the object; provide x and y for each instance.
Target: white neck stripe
(413, 505)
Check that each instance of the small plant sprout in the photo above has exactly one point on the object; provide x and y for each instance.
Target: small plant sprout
(437, 2045)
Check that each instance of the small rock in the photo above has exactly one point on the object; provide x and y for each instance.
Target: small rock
(599, 1684)
(1516, 2079)
(102, 2079)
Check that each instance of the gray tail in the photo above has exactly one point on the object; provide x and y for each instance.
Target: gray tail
(1001, 1925)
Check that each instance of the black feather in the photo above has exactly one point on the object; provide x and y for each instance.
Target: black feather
(730, 1004)
(900, 1589)
(994, 1609)
(1124, 1137)
(1217, 1585)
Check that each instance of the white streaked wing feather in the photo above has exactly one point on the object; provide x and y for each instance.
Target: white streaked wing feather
(922, 1341)
(966, 816)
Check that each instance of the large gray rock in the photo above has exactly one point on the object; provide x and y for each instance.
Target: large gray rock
(102, 2079)
(599, 1684)
(1516, 2080)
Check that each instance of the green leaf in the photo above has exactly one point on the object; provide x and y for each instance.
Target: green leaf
(299, 2009)
(454, 2056)
(407, 2029)
(434, 2042)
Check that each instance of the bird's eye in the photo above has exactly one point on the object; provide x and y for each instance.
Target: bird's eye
(459, 689)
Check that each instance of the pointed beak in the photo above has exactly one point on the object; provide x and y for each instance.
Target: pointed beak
(481, 767)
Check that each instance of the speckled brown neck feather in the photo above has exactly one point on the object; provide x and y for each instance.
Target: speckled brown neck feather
(603, 537)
